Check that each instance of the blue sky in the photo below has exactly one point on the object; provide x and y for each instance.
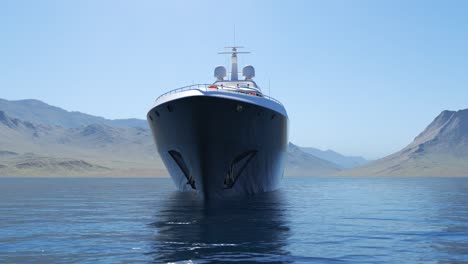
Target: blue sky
(358, 77)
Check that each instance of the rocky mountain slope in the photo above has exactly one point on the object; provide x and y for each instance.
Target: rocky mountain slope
(30, 149)
(440, 150)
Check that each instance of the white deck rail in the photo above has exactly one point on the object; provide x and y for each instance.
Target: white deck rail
(217, 88)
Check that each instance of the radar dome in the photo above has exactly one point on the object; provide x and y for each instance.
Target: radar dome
(220, 73)
(248, 72)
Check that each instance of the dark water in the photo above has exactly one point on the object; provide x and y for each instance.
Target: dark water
(310, 220)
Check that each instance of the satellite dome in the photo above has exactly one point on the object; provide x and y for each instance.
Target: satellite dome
(220, 73)
(248, 72)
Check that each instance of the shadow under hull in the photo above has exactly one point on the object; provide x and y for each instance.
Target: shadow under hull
(220, 147)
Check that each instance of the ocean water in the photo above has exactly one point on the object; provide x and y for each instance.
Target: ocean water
(309, 220)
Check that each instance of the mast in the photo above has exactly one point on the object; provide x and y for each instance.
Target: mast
(234, 52)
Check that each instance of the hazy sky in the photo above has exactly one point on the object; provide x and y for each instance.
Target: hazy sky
(358, 77)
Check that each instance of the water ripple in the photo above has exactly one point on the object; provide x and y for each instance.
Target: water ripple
(310, 220)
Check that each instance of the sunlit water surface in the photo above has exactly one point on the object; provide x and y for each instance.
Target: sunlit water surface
(309, 220)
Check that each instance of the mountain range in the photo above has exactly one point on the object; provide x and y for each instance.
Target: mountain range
(37, 139)
(343, 161)
(440, 150)
(38, 112)
(301, 163)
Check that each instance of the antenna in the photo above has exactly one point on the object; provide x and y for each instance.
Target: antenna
(234, 35)
(269, 89)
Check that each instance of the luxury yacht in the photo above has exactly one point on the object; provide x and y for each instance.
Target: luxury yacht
(222, 139)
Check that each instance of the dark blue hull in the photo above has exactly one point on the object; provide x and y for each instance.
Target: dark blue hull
(220, 147)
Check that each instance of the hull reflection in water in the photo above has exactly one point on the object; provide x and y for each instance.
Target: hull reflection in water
(232, 230)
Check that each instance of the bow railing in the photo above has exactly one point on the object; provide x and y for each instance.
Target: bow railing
(218, 88)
